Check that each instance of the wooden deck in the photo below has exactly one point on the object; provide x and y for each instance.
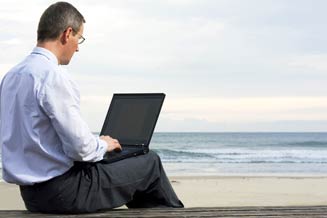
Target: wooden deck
(309, 211)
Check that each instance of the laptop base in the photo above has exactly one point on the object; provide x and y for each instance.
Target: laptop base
(115, 156)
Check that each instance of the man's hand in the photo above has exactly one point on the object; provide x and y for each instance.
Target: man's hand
(113, 144)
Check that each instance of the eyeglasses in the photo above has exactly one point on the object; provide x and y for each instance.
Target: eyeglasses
(81, 38)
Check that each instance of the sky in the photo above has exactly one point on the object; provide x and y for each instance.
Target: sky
(225, 65)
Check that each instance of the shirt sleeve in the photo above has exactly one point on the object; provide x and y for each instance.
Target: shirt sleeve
(59, 99)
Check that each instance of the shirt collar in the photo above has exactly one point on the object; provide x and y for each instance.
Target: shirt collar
(46, 53)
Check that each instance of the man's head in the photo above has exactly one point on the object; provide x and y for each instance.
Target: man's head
(61, 23)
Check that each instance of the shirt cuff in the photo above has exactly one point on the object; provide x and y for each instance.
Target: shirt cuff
(102, 147)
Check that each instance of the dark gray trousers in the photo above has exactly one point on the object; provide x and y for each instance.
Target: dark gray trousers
(138, 182)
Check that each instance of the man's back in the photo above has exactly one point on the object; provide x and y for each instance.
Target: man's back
(30, 146)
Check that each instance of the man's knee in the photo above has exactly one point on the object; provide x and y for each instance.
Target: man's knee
(153, 155)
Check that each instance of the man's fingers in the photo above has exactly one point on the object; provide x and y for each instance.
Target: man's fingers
(117, 146)
(113, 144)
(118, 149)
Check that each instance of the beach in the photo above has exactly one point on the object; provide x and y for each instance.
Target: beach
(235, 169)
(225, 191)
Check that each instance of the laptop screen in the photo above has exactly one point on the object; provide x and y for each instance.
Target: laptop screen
(132, 118)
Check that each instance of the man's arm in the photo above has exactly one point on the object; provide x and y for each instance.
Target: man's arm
(59, 99)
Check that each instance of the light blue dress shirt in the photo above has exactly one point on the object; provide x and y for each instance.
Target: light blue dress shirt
(41, 129)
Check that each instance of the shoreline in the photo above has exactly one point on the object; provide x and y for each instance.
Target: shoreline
(254, 176)
(225, 191)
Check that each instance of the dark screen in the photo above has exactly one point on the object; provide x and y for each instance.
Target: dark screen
(131, 120)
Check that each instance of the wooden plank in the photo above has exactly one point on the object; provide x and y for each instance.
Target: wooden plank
(308, 211)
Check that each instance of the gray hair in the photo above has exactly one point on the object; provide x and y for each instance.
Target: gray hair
(56, 19)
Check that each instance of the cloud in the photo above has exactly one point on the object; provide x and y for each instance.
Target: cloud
(138, 43)
(10, 42)
(195, 125)
(20, 12)
(247, 109)
(4, 68)
(310, 62)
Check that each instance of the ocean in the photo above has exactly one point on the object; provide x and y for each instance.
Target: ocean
(242, 153)
(219, 154)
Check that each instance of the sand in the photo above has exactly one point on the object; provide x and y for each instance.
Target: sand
(251, 191)
(221, 191)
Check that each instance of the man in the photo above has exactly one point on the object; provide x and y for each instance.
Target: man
(49, 151)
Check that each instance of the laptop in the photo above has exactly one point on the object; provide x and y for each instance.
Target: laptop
(131, 120)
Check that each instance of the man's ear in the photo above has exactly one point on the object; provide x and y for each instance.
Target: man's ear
(65, 35)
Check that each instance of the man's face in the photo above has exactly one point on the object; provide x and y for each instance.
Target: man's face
(71, 46)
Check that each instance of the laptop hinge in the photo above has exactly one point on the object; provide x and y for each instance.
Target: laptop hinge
(145, 148)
